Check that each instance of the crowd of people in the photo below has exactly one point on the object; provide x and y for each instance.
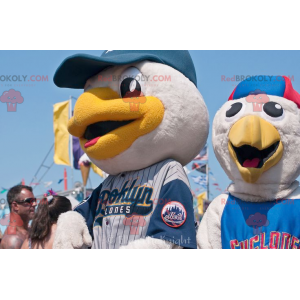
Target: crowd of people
(32, 221)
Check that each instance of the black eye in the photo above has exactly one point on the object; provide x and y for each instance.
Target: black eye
(234, 109)
(273, 109)
(130, 88)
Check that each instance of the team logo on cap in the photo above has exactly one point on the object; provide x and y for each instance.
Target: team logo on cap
(173, 214)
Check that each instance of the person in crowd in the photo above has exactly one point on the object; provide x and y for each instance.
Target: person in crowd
(43, 227)
(22, 205)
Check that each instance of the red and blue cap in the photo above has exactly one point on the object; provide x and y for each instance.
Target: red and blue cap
(271, 85)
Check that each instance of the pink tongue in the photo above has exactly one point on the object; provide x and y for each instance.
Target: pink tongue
(91, 142)
(253, 163)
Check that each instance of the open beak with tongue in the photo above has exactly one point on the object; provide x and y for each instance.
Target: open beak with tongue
(255, 146)
(107, 126)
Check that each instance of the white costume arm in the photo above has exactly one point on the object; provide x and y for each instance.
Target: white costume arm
(209, 232)
(71, 232)
(150, 243)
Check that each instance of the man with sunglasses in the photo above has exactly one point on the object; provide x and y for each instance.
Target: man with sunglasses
(22, 205)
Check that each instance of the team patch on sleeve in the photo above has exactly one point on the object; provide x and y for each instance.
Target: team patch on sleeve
(173, 217)
(174, 214)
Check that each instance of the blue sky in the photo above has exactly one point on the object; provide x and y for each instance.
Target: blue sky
(27, 135)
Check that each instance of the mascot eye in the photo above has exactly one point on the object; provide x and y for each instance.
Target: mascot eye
(130, 87)
(273, 110)
(234, 109)
(131, 83)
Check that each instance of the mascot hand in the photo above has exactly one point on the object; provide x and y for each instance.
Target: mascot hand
(150, 243)
(71, 232)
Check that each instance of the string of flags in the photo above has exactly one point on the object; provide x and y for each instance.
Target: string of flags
(47, 183)
(217, 187)
(3, 190)
(200, 194)
(201, 180)
(203, 155)
(200, 167)
(212, 175)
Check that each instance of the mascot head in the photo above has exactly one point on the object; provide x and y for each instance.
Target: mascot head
(256, 137)
(138, 107)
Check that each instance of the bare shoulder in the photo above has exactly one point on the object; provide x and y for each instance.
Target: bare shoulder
(11, 241)
(25, 244)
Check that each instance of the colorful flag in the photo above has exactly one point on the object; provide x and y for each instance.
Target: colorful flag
(3, 191)
(203, 155)
(201, 180)
(199, 167)
(47, 183)
(99, 171)
(77, 152)
(212, 176)
(200, 202)
(61, 134)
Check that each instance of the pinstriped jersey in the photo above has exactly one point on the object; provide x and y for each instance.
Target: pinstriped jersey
(155, 201)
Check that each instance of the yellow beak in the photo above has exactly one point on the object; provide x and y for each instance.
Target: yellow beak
(255, 146)
(107, 125)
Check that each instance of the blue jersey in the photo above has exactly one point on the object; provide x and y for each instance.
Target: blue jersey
(155, 202)
(260, 225)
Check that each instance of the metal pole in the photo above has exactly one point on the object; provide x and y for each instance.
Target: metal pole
(48, 168)
(207, 176)
(41, 165)
(71, 146)
(84, 192)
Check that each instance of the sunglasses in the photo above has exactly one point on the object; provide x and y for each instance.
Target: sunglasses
(27, 200)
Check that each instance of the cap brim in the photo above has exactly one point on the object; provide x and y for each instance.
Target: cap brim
(75, 70)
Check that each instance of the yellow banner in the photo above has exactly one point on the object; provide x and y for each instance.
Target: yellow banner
(61, 134)
(200, 202)
(97, 170)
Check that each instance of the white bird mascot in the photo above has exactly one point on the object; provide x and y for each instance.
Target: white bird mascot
(256, 138)
(140, 119)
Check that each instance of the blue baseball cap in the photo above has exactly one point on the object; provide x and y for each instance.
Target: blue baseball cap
(75, 70)
(271, 85)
